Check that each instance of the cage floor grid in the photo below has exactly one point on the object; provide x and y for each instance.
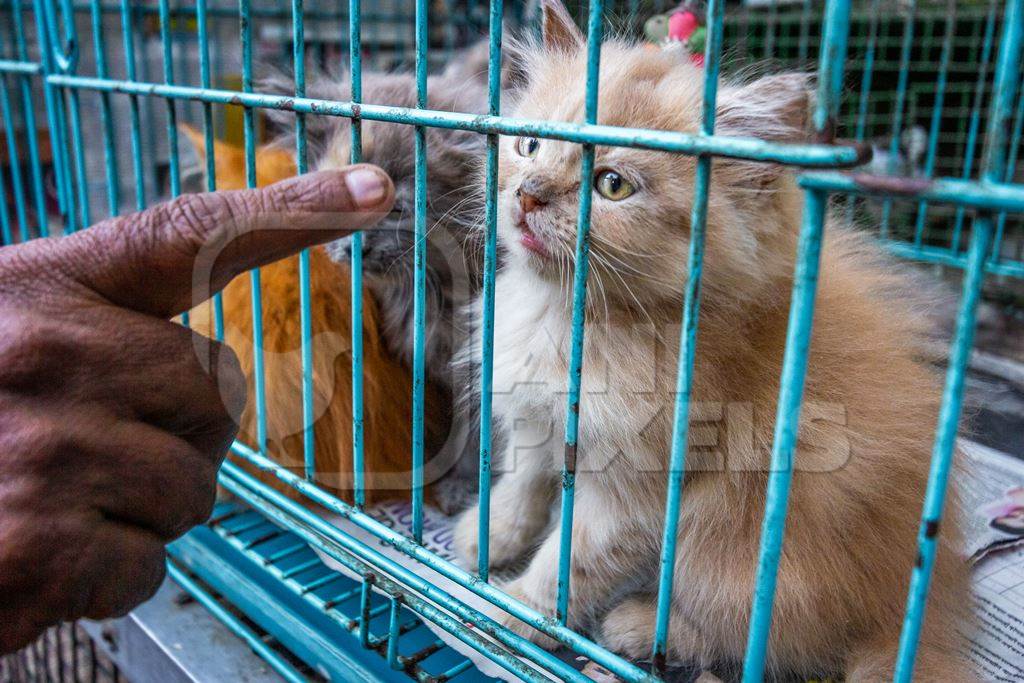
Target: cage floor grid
(312, 611)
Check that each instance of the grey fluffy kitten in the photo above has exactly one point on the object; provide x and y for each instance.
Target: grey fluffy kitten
(454, 241)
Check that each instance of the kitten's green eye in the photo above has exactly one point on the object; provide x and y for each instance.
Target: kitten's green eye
(527, 147)
(613, 186)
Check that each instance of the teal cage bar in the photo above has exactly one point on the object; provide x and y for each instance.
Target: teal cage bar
(940, 74)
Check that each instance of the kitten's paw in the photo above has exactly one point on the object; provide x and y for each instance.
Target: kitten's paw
(628, 629)
(509, 539)
(466, 537)
(515, 590)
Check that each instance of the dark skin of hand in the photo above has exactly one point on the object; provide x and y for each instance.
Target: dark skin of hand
(113, 419)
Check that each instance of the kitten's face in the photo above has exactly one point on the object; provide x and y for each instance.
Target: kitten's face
(641, 201)
(452, 157)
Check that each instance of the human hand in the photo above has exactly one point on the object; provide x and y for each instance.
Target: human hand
(114, 420)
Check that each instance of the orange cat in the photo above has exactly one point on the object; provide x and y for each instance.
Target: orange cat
(387, 384)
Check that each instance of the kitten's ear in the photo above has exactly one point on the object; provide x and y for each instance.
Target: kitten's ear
(195, 138)
(470, 64)
(229, 160)
(558, 30)
(320, 130)
(776, 108)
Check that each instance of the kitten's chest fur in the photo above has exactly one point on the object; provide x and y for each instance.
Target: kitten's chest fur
(624, 402)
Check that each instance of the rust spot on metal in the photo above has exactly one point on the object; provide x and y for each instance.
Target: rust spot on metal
(931, 528)
(287, 105)
(570, 457)
(235, 99)
(827, 134)
(357, 111)
(865, 152)
(919, 562)
(659, 663)
(905, 187)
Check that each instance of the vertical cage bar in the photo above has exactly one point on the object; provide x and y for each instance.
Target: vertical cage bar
(172, 110)
(28, 109)
(249, 129)
(55, 119)
(150, 103)
(860, 128)
(1008, 73)
(490, 265)
(203, 38)
(785, 437)
(53, 61)
(975, 121)
(50, 98)
(798, 338)
(356, 263)
(899, 106)
(1011, 166)
(106, 115)
(419, 265)
(13, 157)
(67, 62)
(174, 170)
(805, 31)
(393, 634)
(771, 23)
(78, 145)
(5, 227)
(866, 76)
(595, 31)
(5, 221)
(687, 341)
(364, 610)
(128, 39)
(305, 303)
(935, 126)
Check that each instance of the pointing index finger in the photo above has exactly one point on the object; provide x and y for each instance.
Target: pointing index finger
(177, 254)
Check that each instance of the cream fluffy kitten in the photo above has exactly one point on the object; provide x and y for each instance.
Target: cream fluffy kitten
(866, 427)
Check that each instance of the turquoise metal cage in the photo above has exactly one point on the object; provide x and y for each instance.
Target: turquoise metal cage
(951, 68)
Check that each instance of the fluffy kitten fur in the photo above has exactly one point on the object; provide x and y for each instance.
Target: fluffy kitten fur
(866, 427)
(387, 384)
(453, 157)
(454, 245)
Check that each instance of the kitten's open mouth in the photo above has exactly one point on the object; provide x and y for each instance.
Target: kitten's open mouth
(529, 239)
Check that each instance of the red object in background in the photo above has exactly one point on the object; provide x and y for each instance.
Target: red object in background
(681, 25)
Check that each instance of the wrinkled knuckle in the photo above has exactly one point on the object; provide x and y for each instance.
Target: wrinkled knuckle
(248, 203)
(278, 199)
(192, 217)
(290, 197)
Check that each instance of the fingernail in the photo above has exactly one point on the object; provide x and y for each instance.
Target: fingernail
(366, 187)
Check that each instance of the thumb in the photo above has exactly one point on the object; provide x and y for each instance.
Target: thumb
(173, 256)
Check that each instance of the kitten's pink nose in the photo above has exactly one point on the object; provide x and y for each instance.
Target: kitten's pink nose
(527, 201)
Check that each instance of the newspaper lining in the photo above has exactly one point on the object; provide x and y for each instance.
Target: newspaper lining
(992, 497)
